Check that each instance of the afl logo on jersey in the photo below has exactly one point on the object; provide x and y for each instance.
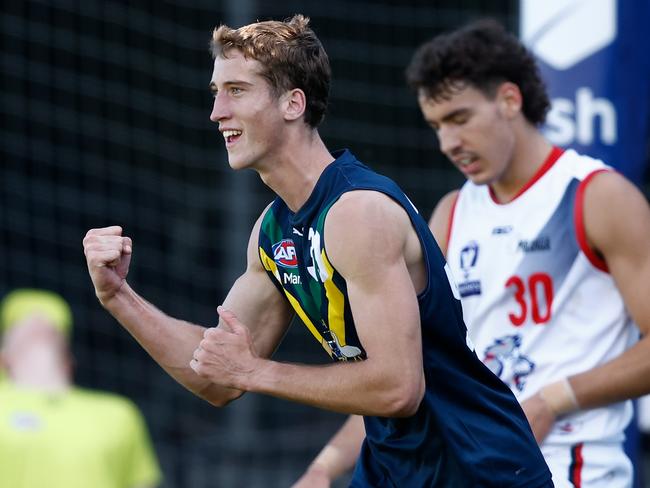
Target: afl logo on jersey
(284, 253)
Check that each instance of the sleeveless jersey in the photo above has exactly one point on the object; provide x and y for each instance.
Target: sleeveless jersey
(469, 430)
(538, 301)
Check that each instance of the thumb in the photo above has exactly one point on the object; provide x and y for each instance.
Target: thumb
(230, 320)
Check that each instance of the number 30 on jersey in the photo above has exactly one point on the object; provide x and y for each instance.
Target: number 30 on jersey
(533, 297)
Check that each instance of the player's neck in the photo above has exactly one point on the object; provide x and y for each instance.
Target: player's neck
(529, 154)
(295, 173)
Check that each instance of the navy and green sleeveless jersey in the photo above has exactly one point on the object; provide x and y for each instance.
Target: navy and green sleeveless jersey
(469, 430)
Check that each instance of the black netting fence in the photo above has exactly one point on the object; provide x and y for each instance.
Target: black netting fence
(105, 107)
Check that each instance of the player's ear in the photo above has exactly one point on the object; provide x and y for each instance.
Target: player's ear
(509, 99)
(294, 103)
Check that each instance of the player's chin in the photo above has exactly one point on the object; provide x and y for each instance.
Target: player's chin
(480, 178)
(234, 162)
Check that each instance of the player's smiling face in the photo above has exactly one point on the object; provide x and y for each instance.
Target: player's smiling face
(248, 114)
(473, 132)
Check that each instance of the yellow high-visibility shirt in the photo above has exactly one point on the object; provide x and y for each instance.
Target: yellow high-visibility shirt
(74, 439)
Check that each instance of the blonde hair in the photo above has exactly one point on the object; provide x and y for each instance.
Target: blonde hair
(290, 54)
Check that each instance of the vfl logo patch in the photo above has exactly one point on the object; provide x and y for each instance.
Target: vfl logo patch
(284, 253)
(468, 258)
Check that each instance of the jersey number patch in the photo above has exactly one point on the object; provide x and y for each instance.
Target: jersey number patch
(534, 296)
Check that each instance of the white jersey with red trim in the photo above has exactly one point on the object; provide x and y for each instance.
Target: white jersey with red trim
(538, 302)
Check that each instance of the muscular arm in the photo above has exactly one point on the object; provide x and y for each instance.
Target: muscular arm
(617, 224)
(171, 342)
(361, 230)
(341, 452)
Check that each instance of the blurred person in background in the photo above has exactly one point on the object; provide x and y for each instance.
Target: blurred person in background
(344, 249)
(550, 252)
(53, 434)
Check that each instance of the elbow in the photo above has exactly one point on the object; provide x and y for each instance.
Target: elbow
(404, 400)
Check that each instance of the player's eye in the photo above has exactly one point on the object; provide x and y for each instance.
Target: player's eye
(460, 119)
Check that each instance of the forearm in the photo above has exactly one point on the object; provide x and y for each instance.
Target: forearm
(340, 454)
(169, 341)
(627, 376)
(361, 387)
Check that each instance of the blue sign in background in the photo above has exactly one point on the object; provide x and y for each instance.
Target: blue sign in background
(601, 99)
(601, 104)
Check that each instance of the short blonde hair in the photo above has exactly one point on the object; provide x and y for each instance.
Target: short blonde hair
(290, 54)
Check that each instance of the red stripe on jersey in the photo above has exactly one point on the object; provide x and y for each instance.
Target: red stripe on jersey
(451, 221)
(579, 220)
(553, 156)
(575, 470)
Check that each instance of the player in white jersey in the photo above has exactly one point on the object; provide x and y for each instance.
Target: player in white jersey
(550, 252)
(540, 303)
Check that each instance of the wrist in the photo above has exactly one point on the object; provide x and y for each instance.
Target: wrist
(107, 300)
(258, 378)
(329, 462)
(560, 397)
(320, 470)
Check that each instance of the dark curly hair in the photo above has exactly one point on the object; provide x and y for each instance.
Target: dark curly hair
(483, 55)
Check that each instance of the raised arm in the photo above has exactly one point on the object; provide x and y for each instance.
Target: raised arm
(169, 341)
(361, 230)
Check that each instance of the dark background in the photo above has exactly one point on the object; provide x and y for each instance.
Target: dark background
(105, 109)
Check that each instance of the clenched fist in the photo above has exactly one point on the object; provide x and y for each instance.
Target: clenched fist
(226, 355)
(108, 255)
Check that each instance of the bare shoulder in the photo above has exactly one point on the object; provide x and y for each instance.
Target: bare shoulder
(365, 225)
(367, 204)
(440, 218)
(617, 224)
(614, 210)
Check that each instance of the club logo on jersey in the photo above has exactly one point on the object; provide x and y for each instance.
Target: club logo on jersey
(468, 258)
(541, 243)
(284, 253)
(504, 359)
